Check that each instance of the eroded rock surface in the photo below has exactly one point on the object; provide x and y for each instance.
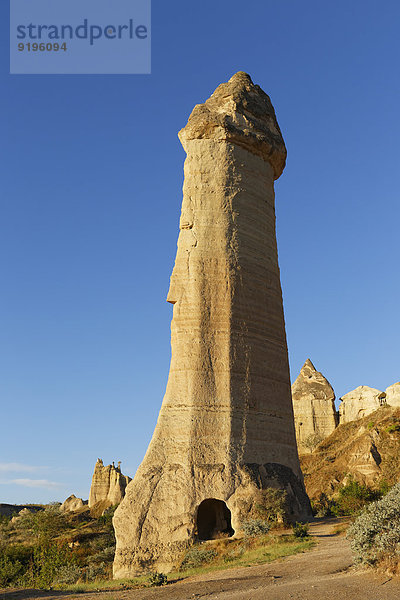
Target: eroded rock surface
(360, 402)
(393, 394)
(225, 428)
(365, 450)
(108, 487)
(73, 504)
(314, 409)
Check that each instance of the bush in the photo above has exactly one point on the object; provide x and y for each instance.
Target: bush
(323, 506)
(312, 441)
(44, 524)
(255, 527)
(352, 498)
(157, 579)
(96, 571)
(47, 562)
(107, 517)
(9, 571)
(375, 534)
(300, 530)
(271, 506)
(68, 574)
(393, 428)
(197, 556)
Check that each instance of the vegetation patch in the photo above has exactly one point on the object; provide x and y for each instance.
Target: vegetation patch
(48, 548)
(245, 552)
(375, 534)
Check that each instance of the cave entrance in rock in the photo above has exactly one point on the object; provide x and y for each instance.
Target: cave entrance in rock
(213, 520)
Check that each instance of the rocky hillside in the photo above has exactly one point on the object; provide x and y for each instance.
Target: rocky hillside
(366, 450)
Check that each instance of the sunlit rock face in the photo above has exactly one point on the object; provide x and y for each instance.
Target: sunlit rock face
(359, 403)
(225, 429)
(393, 394)
(107, 488)
(315, 415)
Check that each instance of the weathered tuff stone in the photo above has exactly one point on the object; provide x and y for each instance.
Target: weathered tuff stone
(315, 415)
(360, 402)
(393, 394)
(226, 428)
(108, 487)
(73, 504)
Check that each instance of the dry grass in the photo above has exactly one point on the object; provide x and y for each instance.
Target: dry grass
(229, 554)
(327, 467)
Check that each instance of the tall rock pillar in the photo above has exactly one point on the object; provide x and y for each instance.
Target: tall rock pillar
(225, 429)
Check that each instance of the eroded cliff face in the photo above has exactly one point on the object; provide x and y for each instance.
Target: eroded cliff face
(359, 403)
(365, 450)
(314, 409)
(225, 428)
(108, 487)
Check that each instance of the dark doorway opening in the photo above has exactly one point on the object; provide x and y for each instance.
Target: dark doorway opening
(213, 520)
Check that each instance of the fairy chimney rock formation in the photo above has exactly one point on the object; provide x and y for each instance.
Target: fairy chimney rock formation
(225, 429)
(393, 394)
(314, 409)
(108, 486)
(360, 402)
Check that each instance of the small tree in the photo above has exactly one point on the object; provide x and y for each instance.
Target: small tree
(45, 524)
(312, 441)
(271, 506)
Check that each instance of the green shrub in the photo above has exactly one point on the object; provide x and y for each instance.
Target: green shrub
(375, 534)
(255, 527)
(67, 574)
(48, 560)
(300, 530)
(107, 517)
(197, 556)
(9, 571)
(45, 524)
(271, 506)
(393, 428)
(4, 520)
(323, 506)
(352, 498)
(370, 425)
(157, 579)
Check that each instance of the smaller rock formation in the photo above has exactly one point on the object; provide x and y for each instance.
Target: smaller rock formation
(108, 487)
(359, 403)
(22, 513)
(73, 504)
(314, 409)
(393, 394)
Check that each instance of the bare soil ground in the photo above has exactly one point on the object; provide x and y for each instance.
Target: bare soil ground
(324, 573)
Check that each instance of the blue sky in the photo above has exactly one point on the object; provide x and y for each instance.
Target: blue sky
(91, 177)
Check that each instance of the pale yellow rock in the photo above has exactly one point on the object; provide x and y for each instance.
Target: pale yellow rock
(225, 428)
(315, 415)
(73, 504)
(360, 402)
(393, 394)
(108, 486)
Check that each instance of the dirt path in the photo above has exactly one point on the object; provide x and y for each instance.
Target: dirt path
(323, 573)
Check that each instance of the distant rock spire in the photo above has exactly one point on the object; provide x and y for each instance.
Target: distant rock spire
(314, 409)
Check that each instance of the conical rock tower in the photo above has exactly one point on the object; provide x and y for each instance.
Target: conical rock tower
(225, 429)
(315, 415)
